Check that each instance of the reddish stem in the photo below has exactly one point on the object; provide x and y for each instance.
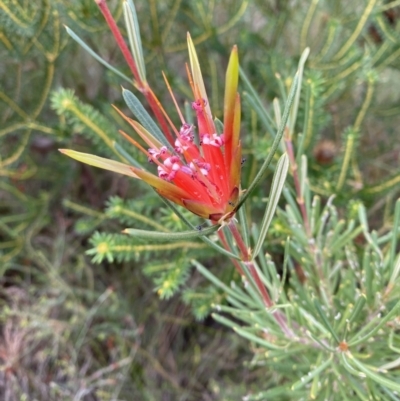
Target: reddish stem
(224, 242)
(120, 42)
(250, 265)
(142, 86)
(280, 319)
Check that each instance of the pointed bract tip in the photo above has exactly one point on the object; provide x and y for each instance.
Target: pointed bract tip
(189, 41)
(67, 152)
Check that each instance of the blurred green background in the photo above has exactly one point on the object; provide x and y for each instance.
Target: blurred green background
(81, 314)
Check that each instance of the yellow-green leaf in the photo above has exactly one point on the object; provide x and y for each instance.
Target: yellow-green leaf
(100, 162)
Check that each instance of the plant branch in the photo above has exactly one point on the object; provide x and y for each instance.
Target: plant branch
(246, 255)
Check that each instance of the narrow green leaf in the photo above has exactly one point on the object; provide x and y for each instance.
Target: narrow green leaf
(390, 365)
(255, 234)
(358, 307)
(391, 341)
(376, 327)
(395, 272)
(246, 315)
(95, 55)
(296, 102)
(368, 272)
(281, 86)
(162, 236)
(311, 374)
(334, 235)
(135, 41)
(307, 123)
(376, 377)
(325, 320)
(275, 193)
(258, 340)
(244, 226)
(349, 388)
(303, 176)
(223, 320)
(244, 303)
(292, 208)
(390, 394)
(275, 144)
(276, 393)
(393, 244)
(349, 367)
(344, 239)
(144, 117)
(362, 213)
(350, 136)
(216, 281)
(277, 112)
(285, 264)
(188, 113)
(312, 322)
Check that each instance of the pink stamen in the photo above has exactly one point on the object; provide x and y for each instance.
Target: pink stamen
(186, 132)
(214, 140)
(173, 163)
(156, 153)
(186, 138)
(179, 146)
(199, 104)
(203, 166)
(188, 171)
(165, 175)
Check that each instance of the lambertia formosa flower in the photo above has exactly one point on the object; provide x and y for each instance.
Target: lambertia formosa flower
(199, 168)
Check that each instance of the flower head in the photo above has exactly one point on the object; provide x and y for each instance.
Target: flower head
(199, 169)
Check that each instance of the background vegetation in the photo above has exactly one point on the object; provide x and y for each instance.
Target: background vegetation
(81, 315)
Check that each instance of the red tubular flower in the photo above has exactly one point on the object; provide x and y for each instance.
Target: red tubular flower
(201, 175)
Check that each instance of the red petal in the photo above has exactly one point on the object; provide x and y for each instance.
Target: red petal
(192, 186)
(218, 173)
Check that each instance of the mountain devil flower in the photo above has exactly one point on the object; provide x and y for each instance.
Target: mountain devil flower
(199, 168)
